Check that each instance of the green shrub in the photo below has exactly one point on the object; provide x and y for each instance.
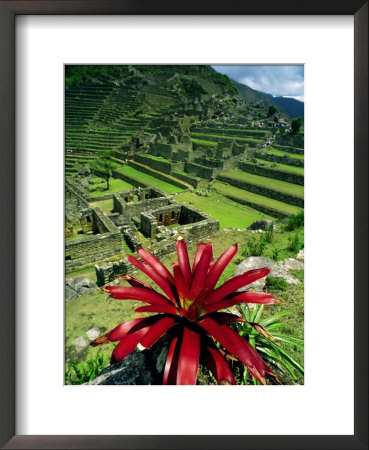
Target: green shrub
(269, 234)
(294, 242)
(255, 246)
(276, 284)
(83, 372)
(295, 221)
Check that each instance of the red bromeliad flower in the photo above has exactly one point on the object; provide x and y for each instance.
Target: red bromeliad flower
(191, 307)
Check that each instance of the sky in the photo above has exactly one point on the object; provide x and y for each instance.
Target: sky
(279, 81)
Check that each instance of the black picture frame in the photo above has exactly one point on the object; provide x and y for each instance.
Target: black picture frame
(8, 11)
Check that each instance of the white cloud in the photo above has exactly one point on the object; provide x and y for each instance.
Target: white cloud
(284, 80)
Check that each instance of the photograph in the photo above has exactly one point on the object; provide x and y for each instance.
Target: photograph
(184, 224)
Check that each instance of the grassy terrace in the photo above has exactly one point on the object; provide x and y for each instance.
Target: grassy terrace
(241, 194)
(148, 179)
(270, 183)
(116, 185)
(285, 168)
(226, 136)
(229, 213)
(274, 151)
(204, 142)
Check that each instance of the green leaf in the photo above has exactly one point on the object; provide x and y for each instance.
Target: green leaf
(288, 357)
(289, 340)
(274, 318)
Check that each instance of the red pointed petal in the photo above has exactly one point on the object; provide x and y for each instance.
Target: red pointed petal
(231, 341)
(224, 317)
(183, 260)
(200, 275)
(168, 309)
(181, 285)
(219, 266)
(199, 250)
(171, 365)
(188, 363)
(135, 293)
(247, 297)
(116, 334)
(157, 331)
(218, 366)
(125, 347)
(135, 282)
(158, 279)
(230, 286)
(155, 264)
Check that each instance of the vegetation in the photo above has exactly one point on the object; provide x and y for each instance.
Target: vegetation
(296, 124)
(190, 311)
(104, 166)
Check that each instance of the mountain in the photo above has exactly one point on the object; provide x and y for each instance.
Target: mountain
(251, 95)
(292, 107)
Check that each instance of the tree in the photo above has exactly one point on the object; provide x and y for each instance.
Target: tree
(103, 165)
(296, 125)
(272, 110)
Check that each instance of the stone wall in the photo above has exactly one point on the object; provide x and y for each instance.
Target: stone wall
(187, 178)
(291, 141)
(87, 250)
(105, 273)
(163, 166)
(164, 150)
(261, 190)
(75, 200)
(193, 223)
(271, 173)
(158, 175)
(285, 159)
(200, 171)
(132, 209)
(165, 215)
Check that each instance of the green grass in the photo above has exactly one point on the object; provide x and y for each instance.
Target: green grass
(271, 183)
(274, 151)
(284, 168)
(105, 205)
(115, 185)
(204, 142)
(229, 213)
(255, 198)
(225, 136)
(149, 180)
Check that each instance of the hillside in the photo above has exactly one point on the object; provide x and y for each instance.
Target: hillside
(292, 107)
(154, 153)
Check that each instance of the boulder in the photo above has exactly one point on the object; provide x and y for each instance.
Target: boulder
(282, 272)
(84, 172)
(84, 182)
(293, 264)
(138, 368)
(93, 333)
(261, 225)
(251, 263)
(75, 287)
(301, 255)
(80, 344)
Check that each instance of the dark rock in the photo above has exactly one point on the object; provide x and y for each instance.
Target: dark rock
(138, 368)
(261, 225)
(84, 172)
(75, 287)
